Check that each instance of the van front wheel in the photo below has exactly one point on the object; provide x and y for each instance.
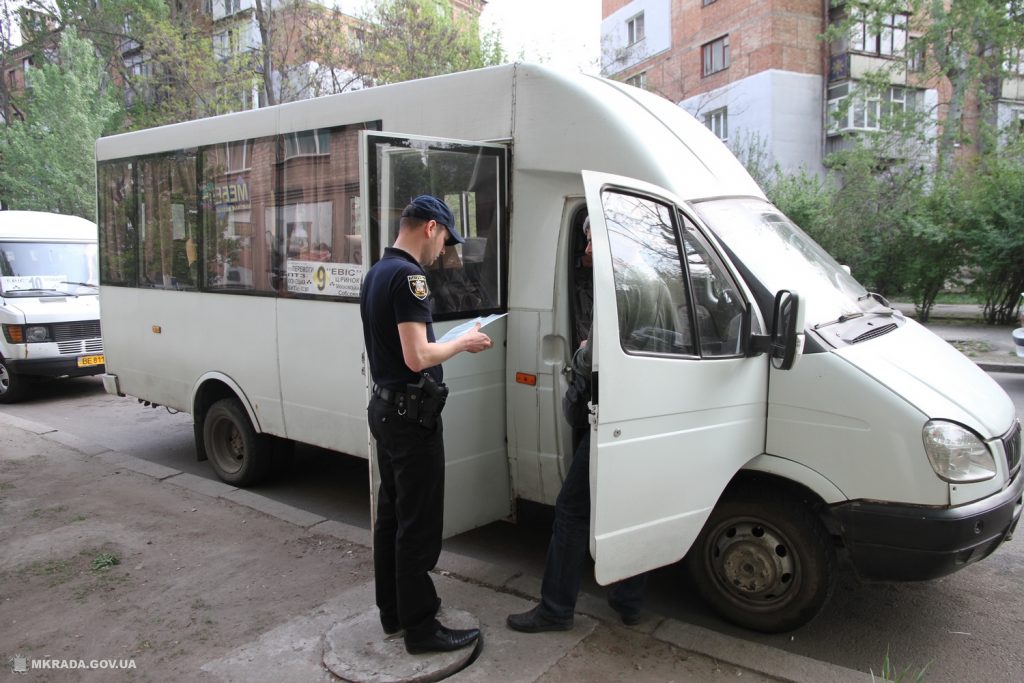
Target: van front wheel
(239, 455)
(12, 385)
(763, 561)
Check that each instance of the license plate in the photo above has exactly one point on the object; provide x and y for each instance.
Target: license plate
(86, 361)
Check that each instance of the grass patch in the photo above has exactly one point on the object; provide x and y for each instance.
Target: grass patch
(104, 561)
(889, 672)
(54, 572)
(48, 512)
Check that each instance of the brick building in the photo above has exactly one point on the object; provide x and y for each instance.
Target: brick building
(756, 72)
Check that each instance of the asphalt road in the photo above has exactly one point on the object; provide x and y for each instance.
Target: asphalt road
(963, 627)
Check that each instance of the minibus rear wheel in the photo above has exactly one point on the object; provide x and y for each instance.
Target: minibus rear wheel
(12, 385)
(239, 455)
(763, 560)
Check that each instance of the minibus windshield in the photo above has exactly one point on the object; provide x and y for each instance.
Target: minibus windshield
(782, 256)
(48, 268)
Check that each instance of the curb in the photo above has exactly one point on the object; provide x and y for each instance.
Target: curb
(762, 659)
(1002, 367)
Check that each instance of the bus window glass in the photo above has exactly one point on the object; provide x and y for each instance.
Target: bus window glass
(650, 285)
(319, 213)
(466, 279)
(167, 221)
(117, 223)
(241, 244)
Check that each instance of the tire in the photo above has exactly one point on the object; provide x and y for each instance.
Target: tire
(238, 455)
(764, 561)
(12, 385)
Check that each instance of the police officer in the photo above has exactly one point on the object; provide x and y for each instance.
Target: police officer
(404, 416)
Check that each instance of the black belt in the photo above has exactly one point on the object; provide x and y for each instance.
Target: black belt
(389, 395)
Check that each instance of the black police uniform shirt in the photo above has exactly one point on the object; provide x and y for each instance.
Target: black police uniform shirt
(395, 291)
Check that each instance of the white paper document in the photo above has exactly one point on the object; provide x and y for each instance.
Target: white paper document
(484, 321)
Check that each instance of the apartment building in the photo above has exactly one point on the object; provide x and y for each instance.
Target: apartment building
(758, 75)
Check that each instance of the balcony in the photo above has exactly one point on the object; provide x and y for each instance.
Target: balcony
(856, 65)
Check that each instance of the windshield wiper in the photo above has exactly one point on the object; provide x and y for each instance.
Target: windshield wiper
(877, 297)
(845, 317)
(81, 284)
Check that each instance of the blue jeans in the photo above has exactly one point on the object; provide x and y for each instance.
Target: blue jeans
(569, 547)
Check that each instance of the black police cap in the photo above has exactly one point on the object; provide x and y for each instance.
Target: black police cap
(430, 208)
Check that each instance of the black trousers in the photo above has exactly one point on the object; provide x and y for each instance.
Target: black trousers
(410, 516)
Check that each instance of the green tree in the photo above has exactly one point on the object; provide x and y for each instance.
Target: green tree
(994, 234)
(48, 161)
(407, 39)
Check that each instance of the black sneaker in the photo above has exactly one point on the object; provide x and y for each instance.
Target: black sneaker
(536, 622)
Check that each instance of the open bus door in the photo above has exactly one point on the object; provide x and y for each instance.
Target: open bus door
(679, 406)
(469, 280)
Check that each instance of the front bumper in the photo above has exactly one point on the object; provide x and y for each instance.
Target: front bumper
(52, 367)
(893, 542)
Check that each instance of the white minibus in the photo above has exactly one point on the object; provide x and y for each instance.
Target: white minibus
(49, 303)
(754, 406)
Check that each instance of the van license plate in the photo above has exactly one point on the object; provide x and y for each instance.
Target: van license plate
(86, 361)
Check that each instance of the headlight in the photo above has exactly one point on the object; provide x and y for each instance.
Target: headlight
(36, 333)
(956, 453)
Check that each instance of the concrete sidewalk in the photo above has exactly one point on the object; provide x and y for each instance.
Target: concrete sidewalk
(60, 494)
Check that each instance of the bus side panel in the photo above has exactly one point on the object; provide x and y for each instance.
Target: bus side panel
(323, 388)
(157, 343)
(477, 489)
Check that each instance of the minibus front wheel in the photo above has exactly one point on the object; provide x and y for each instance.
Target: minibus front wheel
(239, 455)
(763, 561)
(12, 385)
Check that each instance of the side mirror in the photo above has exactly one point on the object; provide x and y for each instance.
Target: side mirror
(787, 340)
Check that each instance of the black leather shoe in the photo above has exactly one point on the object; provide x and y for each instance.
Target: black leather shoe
(439, 639)
(390, 625)
(536, 622)
(630, 617)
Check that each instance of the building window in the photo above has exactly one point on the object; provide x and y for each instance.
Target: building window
(866, 111)
(718, 122)
(232, 6)
(635, 28)
(638, 80)
(886, 37)
(915, 55)
(12, 79)
(716, 55)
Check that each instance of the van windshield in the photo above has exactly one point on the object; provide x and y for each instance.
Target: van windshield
(782, 256)
(48, 268)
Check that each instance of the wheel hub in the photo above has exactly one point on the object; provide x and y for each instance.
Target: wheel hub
(754, 562)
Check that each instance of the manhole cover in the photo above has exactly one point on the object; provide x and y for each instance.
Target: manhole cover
(358, 651)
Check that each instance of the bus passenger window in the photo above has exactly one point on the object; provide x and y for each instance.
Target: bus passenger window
(117, 220)
(239, 215)
(167, 221)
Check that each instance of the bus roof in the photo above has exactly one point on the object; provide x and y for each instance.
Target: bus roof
(41, 226)
(557, 121)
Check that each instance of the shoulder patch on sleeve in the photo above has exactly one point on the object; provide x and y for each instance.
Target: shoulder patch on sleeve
(418, 286)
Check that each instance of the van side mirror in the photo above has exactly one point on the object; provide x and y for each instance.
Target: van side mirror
(787, 340)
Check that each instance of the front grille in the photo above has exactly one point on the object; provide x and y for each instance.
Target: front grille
(79, 329)
(1011, 446)
(77, 348)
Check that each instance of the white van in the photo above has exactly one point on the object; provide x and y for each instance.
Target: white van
(755, 407)
(49, 303)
